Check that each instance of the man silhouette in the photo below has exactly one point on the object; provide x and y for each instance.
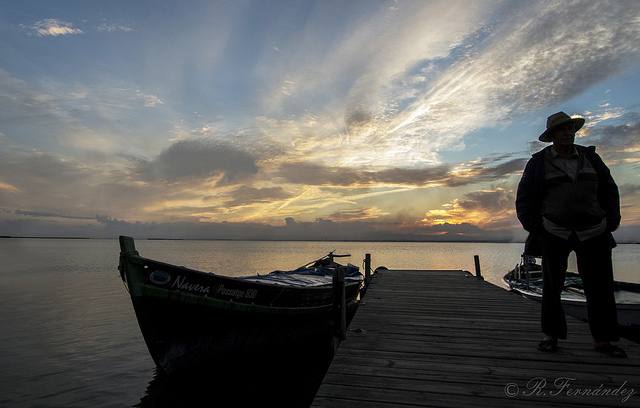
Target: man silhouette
(568, 201)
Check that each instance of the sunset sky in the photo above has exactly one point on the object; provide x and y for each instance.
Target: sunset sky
(304, 120)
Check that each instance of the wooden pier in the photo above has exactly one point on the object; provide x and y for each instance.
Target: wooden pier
(449, 339)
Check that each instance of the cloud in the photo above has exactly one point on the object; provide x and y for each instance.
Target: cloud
(45, 183)
(357, 81)
(100, 117)
(113, 27)
(54, 215)
(617, 143)
(533, 58)
(419, 89)
(605, 113)
(290, 229)
(490, 209)
(357, 214)
(199, 159)
(8, 187)
(52, 27)
(20, 102)
(357, 116)
(150, 101)
(317, 174)
(488, 200)
(320, 229)
(483, 170)
(169, 187)
(245, 195)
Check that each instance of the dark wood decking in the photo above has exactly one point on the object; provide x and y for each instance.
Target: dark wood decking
(447, 339)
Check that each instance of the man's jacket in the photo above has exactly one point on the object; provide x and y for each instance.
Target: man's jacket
(531, 192)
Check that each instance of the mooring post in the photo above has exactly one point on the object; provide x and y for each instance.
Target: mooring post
(367, 268)
(340, 303)
(476, 260)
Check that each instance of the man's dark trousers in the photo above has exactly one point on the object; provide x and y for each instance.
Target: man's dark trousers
(594, 266)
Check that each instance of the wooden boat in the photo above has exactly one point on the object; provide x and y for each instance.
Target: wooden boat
(526, 279)
(191, 318)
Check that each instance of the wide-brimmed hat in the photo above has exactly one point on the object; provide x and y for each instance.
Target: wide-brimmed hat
(557, 119)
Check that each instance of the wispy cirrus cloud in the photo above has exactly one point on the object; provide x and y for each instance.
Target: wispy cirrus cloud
(95, 117)
(532, 59)
(113, 27)
(405, 88)
(150, 100)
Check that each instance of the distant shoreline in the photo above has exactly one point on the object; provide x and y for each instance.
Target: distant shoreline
(290, 240)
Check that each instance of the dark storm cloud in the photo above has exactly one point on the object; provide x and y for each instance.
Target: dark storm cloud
(412, 176)
(616, 142)
(54, 215)
(318, 174)
(356, 118)
(617, 136)
(492, 201)
(465, 229)
(199, 159)
(501, 170)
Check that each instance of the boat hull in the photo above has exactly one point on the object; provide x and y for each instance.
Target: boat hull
(184, 336)
(575, 305)
(193, 319)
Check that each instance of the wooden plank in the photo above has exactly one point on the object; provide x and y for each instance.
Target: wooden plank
(447, 339)
(484, 363)
(463, 388)
(330, 394)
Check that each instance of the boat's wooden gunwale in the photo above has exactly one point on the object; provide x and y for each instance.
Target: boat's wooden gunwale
(137, 259)
(188, 298)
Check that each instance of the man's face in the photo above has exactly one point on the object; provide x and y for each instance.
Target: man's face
(564, 134)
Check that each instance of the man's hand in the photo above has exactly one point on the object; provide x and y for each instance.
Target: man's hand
(612, 225)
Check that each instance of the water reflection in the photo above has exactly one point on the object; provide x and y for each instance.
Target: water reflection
(265, 383)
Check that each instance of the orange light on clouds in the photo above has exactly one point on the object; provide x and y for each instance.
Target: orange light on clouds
(8, 187)
(462, 211)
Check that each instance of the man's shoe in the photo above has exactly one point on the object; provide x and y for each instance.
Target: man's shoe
(611, 350)
(548, 345)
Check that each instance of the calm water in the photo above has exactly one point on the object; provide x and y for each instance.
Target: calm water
(68, 334)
